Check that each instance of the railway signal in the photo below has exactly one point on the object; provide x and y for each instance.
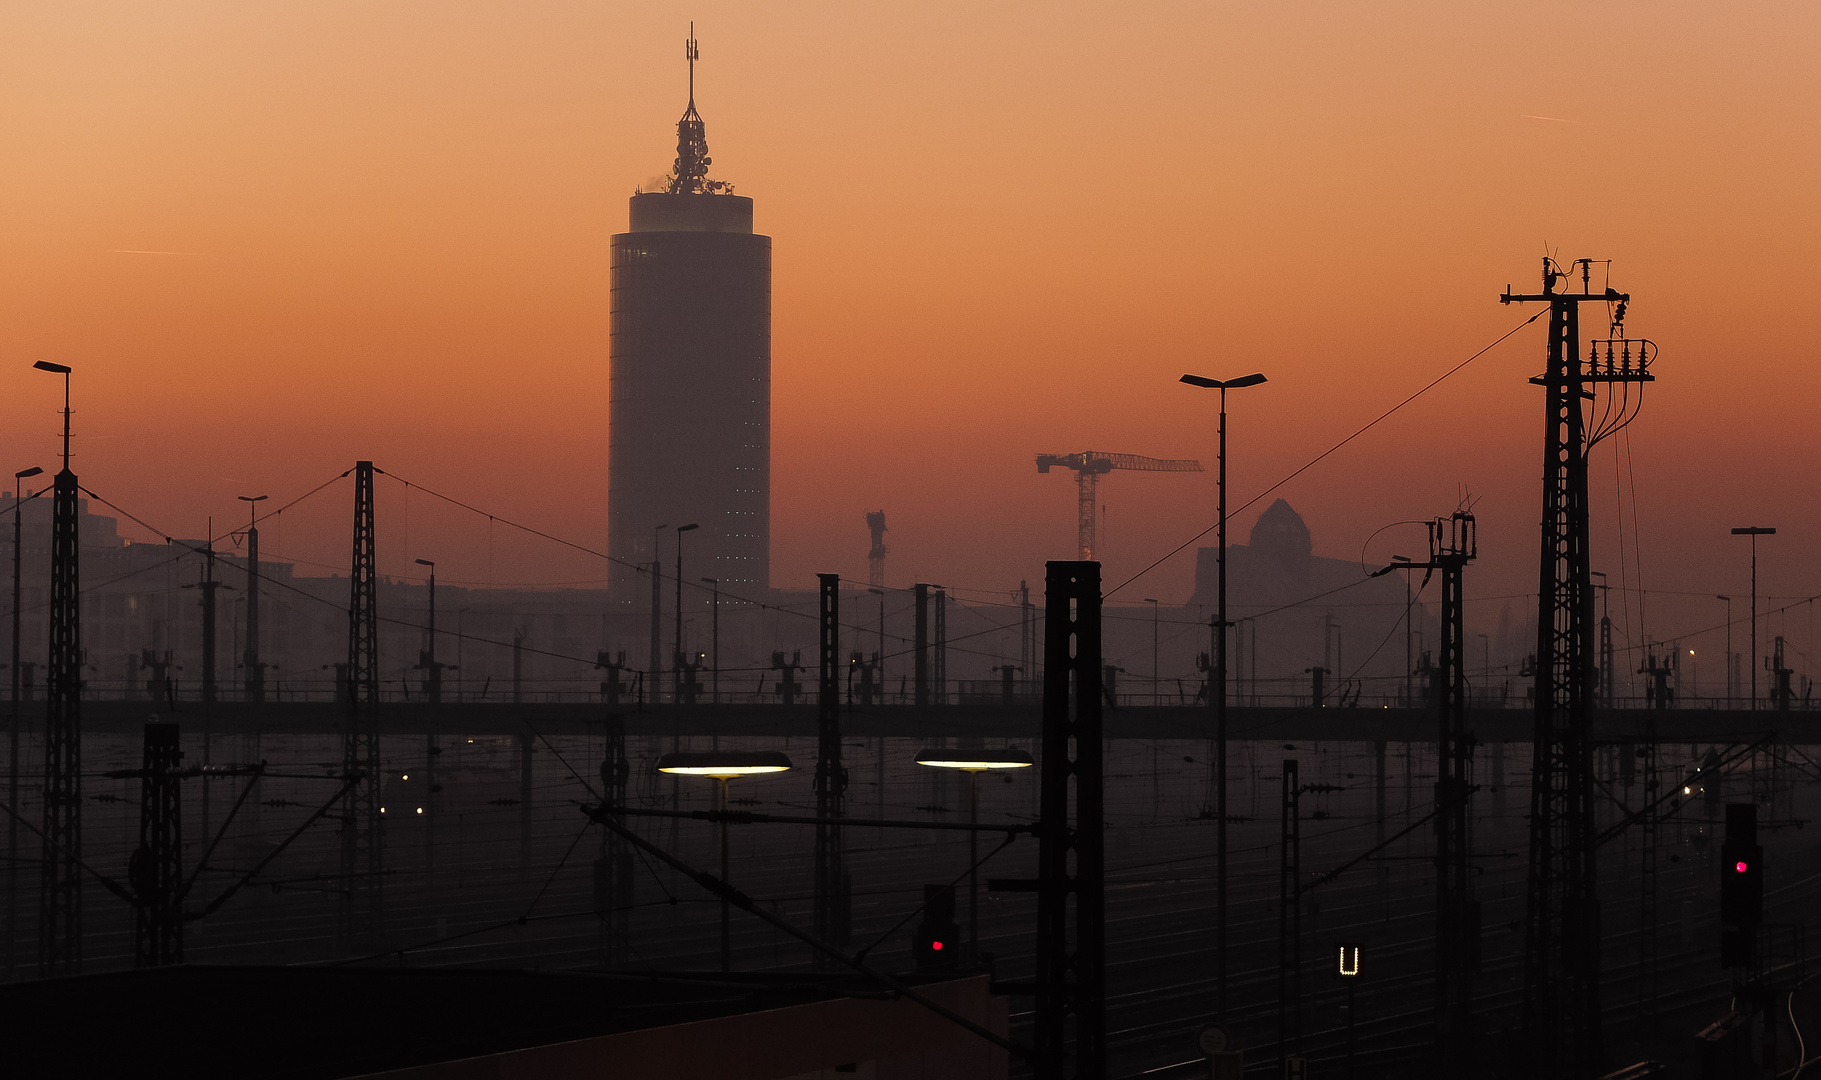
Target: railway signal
(937, 943)
(1741, 885)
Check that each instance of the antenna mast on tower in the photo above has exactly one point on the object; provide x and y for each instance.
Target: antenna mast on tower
(689, 176)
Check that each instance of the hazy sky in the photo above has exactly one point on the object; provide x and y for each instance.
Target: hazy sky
(998, 229)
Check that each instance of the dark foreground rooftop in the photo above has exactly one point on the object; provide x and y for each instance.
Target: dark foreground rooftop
(323, 1023)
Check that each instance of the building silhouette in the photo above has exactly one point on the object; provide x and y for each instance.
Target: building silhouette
(690, 398)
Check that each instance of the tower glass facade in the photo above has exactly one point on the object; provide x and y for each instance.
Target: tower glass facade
(690, 393)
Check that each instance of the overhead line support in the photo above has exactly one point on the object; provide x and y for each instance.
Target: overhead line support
(1562, 923)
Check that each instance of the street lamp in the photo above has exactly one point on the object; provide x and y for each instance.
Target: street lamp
(676, 652)
(974, 762)
(1754, 532)
(12, 769)
(1219, 692)
(715, 681)
(60, 369)
(1730, 691)
(723, 765)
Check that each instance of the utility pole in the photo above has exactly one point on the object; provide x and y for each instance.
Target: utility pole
(939, 668)
(426, 658)
(920, 646)
(657, 659)
(1754, 532)
(12, 757)
(1156, 696)
(879, 657)
(677, 694)
(361, 856)
(1606, 671)
(613, 871)
(207, 586)
(154, 870)
(1071, 864)
(1562, 928)
(1453, 543)
(1289, 919)
(433, 694)
(256, 671)
(60, 895)
(657, 578)
(715, 638)
(1732, 685)
(518, 667)
(1027, 627)
(831, 884)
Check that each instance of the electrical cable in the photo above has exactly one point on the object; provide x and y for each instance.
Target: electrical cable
(1325, 453)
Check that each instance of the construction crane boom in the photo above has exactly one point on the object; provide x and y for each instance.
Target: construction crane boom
(1089, 466)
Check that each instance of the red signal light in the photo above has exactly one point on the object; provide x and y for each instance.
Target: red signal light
(937, 945)
(1739, 867)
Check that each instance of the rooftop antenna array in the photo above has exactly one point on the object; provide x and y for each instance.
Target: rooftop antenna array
(689, 175)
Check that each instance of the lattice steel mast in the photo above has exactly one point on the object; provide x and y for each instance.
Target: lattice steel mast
(360, 848)
(1562, 925)
(60, 894)
(831, 904)
(155, 869)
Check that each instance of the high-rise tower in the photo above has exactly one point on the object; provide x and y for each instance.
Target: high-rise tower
(690, 400)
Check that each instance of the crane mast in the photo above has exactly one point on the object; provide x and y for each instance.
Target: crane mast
(1089, 466)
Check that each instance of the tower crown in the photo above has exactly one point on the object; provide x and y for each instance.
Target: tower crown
(689, 174)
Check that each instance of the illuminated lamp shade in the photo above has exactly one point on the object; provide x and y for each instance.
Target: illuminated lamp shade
(975, 759)
(723, 764)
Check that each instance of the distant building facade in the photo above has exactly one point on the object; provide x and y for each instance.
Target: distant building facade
(1297, 611)
(689, 415)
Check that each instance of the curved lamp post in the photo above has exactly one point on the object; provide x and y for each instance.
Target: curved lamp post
(723, 765)
(1218, 692)
(974, 761)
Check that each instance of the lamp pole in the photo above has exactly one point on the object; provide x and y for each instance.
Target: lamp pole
(974, 763)
(722, 766)
(1219, 693)
(676, 652)
(1728, 664)
(12, 737)
(1754, 532)
(715, 584)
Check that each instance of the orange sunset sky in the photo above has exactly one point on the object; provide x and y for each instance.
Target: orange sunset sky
(998, 229)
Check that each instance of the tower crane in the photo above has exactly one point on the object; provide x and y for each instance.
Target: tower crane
(1090, 466)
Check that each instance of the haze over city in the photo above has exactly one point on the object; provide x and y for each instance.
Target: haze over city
(998, 232)
(265, 242)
